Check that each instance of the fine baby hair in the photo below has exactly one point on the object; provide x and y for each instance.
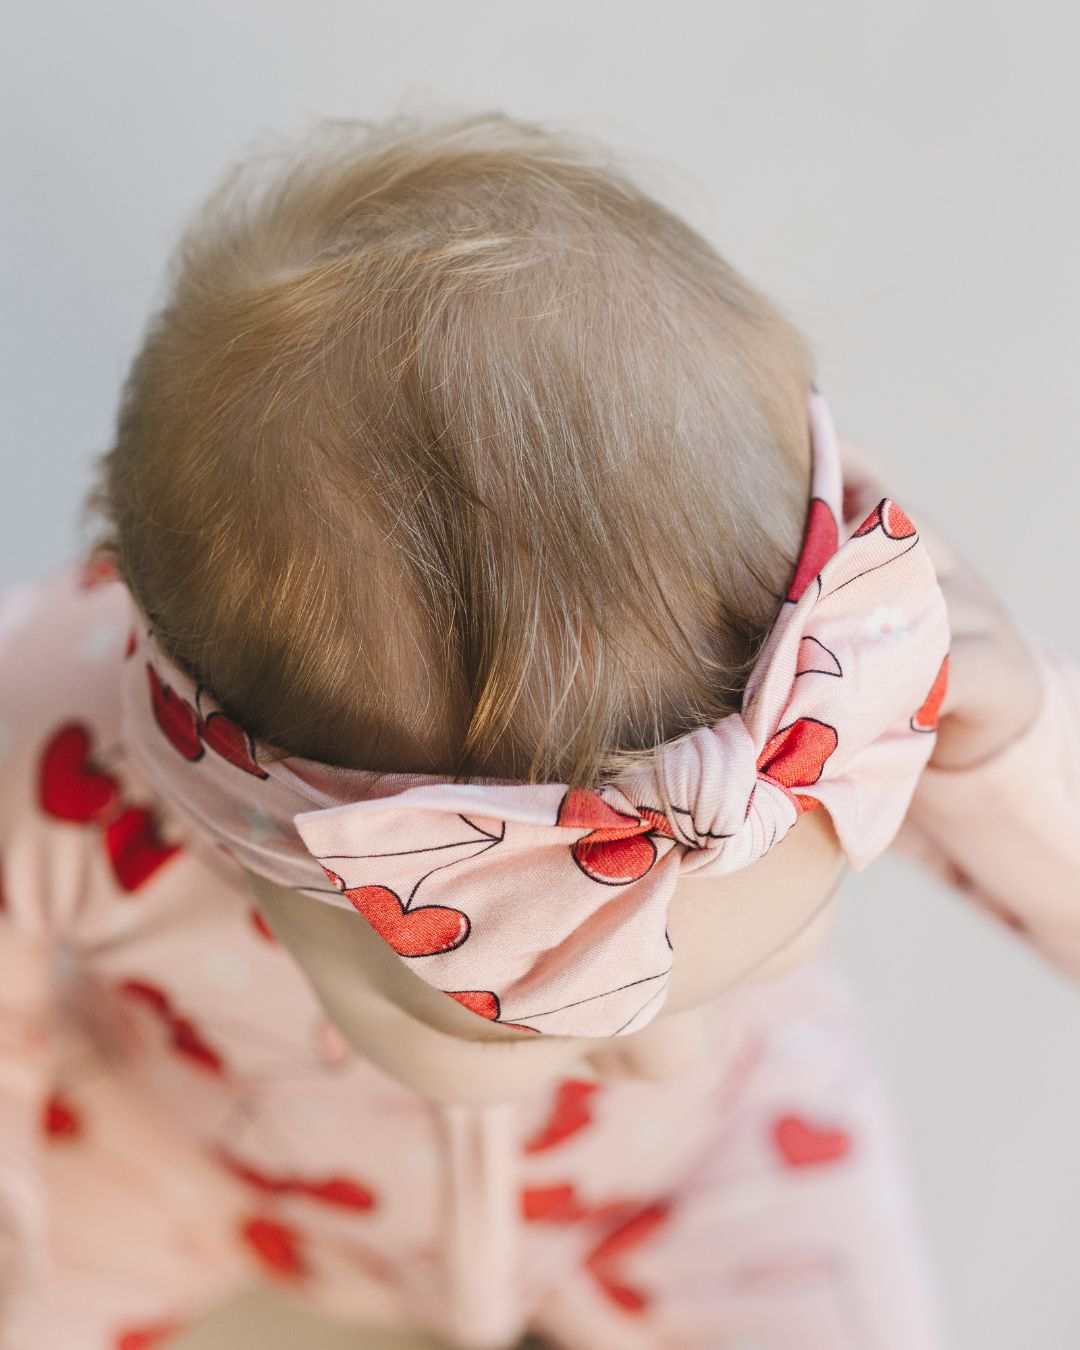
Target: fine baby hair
(450, 450)
(441, 460)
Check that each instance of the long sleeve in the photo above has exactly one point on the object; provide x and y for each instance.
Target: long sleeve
(25, 948)
(1006, 832)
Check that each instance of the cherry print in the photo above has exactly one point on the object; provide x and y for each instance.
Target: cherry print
(70, 785)
(59, 1119)
(190, 733)
(134, 848)
(796, 755)
(276, 1246)
(615, 862)
(424, 931)
(485, 1004)
(231, 742)
(925, 718)
(175, 716)
(569, 1115)
(618, 849)
(804, 1144)
(821, 539)
(480, 1001)
(894, 523)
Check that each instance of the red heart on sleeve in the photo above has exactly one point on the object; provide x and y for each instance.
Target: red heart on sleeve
(70, 785)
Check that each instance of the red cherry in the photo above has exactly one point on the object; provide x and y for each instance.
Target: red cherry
(796, 755)
(231, 742)
(925, 718)
(820, 541)
(175, 716)
(424, 931)
(480, 1001)
(614, 862)
(894, 522)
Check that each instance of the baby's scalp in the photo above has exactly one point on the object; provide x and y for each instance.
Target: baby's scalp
(452, 451)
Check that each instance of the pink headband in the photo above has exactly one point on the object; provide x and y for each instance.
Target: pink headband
(545, 908)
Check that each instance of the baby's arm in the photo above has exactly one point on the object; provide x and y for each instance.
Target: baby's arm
(1006, 831)
(24, 1013)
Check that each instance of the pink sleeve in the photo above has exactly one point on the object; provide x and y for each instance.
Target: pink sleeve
(1006, 832)
(26, 941)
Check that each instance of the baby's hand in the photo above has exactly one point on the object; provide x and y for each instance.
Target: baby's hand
(994, 688)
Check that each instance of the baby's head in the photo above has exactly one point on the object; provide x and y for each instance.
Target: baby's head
(452, 451)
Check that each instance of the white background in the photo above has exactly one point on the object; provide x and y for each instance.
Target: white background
(901, 178)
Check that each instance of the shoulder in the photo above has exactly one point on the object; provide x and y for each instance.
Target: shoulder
(64, 777)
(61, 639)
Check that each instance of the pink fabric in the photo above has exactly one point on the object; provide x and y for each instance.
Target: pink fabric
(178, 1119)
(546, 908)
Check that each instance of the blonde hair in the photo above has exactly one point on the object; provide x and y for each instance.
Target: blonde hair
(452, 451)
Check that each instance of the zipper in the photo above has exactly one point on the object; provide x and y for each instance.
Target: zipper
(480, 1227)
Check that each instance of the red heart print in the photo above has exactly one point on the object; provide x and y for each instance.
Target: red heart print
(926, 717)
(484, 1004)
(175, 716)
(570, 1114)
(70, 785)
(276, 1246)
(617, 850)
(424, 931)
(796, 755)
(804, 1144)
(821, 539)
(894, 522)
(60, 1120)
(134, 848)
(231, 742)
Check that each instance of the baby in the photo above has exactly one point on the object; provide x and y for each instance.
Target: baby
(453, 457)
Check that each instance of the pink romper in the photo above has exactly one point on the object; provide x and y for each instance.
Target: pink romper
(179, 1120)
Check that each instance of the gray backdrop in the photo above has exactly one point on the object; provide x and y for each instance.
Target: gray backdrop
(902, 178)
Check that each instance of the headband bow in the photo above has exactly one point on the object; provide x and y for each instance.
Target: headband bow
(545, 908)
